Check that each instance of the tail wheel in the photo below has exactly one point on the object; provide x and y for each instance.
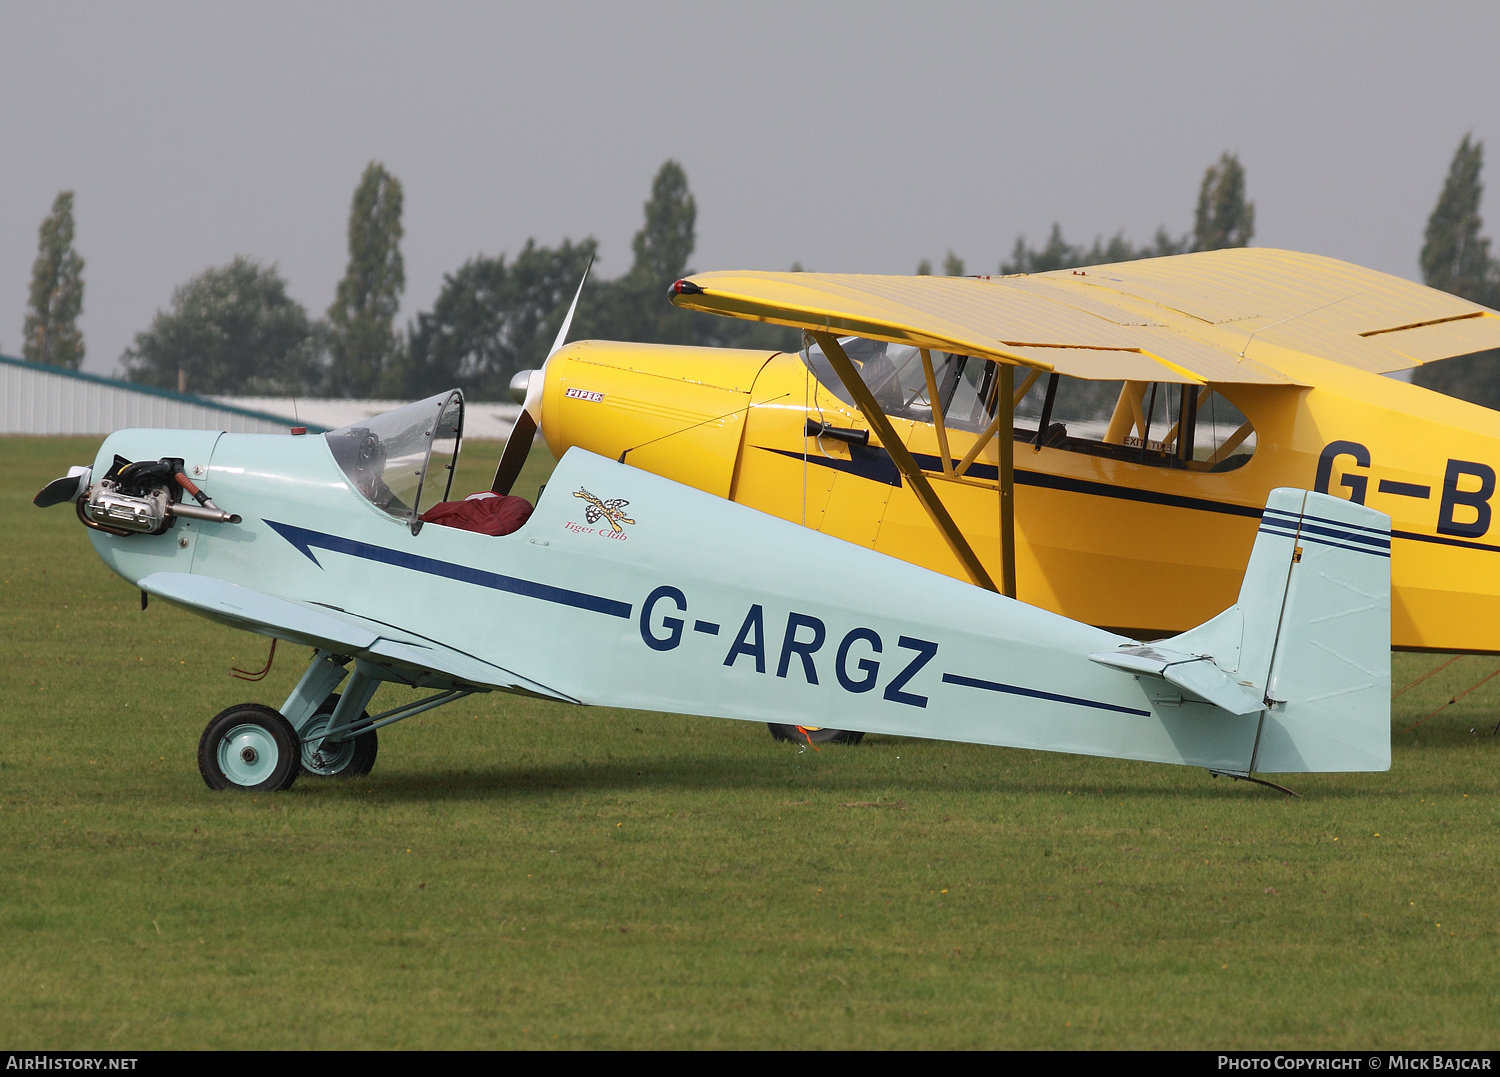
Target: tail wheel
(351, 759)
(250, 747)
(814, 734)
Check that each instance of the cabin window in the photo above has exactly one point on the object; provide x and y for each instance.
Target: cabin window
(388, 457)
(966, 386)
(1158, 424)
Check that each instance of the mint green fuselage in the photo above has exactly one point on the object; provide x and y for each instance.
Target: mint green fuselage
(687, 603)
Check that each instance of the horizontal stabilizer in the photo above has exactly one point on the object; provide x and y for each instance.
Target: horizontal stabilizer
(1206, 679)
(1190, 672)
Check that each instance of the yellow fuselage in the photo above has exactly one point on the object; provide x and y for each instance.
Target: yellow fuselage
(1147, 550)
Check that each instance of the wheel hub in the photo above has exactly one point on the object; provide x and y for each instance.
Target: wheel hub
(247, 755)
(325, 759)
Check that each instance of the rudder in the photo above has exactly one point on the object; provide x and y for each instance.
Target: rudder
(1329, 685)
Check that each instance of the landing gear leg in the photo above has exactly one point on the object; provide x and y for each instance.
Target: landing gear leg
(326, 750)
(321, 716)
(325, 673)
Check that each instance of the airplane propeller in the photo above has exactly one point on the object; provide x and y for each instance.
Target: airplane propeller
(526, 389)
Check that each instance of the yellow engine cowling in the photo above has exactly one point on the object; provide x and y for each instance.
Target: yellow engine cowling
(677, 412)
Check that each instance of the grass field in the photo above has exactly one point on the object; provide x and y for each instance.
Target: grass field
(523, 874)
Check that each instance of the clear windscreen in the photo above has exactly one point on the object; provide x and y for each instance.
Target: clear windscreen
(897, 379)
(443, 459)
(387, 457)
(892, 372)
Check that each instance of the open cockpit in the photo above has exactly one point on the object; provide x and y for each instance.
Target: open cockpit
(403, 463)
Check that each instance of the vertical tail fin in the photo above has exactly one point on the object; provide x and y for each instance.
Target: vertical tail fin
(1312, 631)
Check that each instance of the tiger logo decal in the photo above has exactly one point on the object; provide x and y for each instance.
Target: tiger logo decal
(612, 511)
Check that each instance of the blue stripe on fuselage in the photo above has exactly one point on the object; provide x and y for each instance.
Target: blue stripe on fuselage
(306, 540)
(1034, 693)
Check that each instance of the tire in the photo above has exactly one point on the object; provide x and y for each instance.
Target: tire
(249, 747)
(351, 759)
(815, 734)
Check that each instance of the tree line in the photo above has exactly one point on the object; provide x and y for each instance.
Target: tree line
(1457, 259)
(1223, 218)
(234, 329)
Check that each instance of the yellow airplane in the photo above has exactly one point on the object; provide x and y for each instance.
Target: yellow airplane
(1098, 442)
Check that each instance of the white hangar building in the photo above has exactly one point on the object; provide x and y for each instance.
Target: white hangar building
(40, 399)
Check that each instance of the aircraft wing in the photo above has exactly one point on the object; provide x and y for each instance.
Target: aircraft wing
(1213, 316)
(333, 630)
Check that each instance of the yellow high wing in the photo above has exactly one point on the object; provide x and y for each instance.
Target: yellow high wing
(1215, 316)
(1248, 315)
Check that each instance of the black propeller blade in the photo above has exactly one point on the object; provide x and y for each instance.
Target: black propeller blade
(516, 451)
(64, 489)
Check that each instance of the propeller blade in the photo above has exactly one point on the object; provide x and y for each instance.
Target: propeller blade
(516, 451)
(67, 488)
(530, 419)
(562, 334)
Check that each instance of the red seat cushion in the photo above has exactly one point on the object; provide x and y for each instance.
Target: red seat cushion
(487, 513)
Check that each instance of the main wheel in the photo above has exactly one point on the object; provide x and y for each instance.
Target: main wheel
(814, 734)
(351, 759)
(249, 747)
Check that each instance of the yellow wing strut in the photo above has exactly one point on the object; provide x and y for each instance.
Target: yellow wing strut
(926, 496)
(1005, 411)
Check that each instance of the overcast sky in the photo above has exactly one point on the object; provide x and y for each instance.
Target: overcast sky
(854, 137)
